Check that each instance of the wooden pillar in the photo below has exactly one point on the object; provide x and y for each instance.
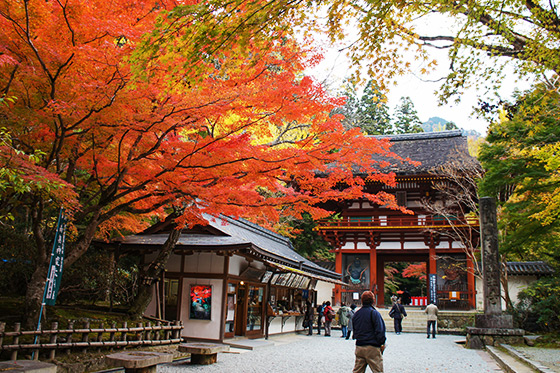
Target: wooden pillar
(380, 283)
(470, 282)
(432, 268)
(373, 270)
(432, 240)
(338, 268)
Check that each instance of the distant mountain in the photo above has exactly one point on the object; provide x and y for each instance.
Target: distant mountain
(436, 124)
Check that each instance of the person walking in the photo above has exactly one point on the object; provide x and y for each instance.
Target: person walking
(432, 312)
(397, 313)
(343, 319)
(351, 313)
(308, 318)
(329, 314)
(405, 299)
(320, 317)
(369, 332)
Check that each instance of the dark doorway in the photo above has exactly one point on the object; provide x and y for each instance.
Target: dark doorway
(405, 281)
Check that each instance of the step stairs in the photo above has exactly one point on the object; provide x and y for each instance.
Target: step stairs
(415, 322)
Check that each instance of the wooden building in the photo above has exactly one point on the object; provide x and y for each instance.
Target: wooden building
(230, 278)
(368, 236)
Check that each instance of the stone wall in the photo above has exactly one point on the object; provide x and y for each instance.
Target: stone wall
(450, 322)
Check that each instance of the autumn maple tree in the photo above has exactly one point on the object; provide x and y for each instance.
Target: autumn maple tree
(125, 135)
(416, 270)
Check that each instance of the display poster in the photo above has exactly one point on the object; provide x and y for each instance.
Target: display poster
(201, 302)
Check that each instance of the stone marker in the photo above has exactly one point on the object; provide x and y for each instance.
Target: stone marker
(493, 327)
(491, 269)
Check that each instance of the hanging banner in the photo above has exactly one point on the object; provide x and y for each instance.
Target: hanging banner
(57, 260)
(433, 288)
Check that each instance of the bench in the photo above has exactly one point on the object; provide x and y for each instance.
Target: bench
(27, 366)
(203, 353)
(138, 361)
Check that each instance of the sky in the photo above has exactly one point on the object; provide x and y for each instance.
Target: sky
(335, 68)
(422, 91)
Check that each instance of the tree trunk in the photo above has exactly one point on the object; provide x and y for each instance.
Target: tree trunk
(149, 276)
(34, 296)
(36, 286)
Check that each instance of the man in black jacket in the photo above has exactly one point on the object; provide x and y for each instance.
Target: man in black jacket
(369, 332)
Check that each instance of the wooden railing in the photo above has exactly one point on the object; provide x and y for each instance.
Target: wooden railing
(54, 339)
(381, 222)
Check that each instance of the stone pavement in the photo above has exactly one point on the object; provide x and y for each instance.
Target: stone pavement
(405, 353)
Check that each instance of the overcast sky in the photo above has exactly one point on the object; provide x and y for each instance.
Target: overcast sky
(422, 92)
(335, 68)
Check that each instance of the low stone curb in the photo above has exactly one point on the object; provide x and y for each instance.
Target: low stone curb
(521, 356)
(507, 362)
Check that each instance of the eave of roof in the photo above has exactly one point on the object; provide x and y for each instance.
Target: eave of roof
(538, 268)
(240, 234)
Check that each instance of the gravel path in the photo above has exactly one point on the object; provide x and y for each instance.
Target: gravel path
(405, 353)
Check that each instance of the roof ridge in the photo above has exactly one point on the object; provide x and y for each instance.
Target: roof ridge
(256, 228)
(420, 135)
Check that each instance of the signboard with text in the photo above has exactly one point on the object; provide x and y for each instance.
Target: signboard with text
(433, 288)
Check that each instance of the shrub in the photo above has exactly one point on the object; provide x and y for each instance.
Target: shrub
(538, 308)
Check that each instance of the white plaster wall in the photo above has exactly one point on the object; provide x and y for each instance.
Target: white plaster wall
(389, 245)
(362, 246)
(515, 285)
(289, 326)
(174, 263)
(413, 245)
(204, 263)
(324, 291)
(236, 265)
(206, 329)
(457, 245)
(150, 257)
(479, 294)
(275, 326)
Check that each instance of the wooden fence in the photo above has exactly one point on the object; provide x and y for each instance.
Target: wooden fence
(86, 337)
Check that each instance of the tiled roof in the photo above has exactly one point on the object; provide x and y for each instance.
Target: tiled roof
(433, 149)
(235, 233)
(538, 268)
(270, 243)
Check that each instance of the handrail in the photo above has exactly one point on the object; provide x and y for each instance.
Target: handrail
(424, 221)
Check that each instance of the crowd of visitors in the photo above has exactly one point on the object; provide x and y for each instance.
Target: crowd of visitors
(365, 326)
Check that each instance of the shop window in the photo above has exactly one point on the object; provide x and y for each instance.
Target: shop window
(230, 313)
(171, 292)
(286, 301)
(254, 309)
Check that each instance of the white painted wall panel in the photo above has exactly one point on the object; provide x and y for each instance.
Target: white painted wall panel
(207, 329)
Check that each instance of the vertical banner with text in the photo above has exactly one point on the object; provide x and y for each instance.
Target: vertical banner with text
(433, 288)
(57, 260)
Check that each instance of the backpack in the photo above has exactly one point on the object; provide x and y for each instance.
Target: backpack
(329, 313)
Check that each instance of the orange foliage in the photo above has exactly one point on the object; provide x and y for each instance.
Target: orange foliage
(415, 270)
(246, 137)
